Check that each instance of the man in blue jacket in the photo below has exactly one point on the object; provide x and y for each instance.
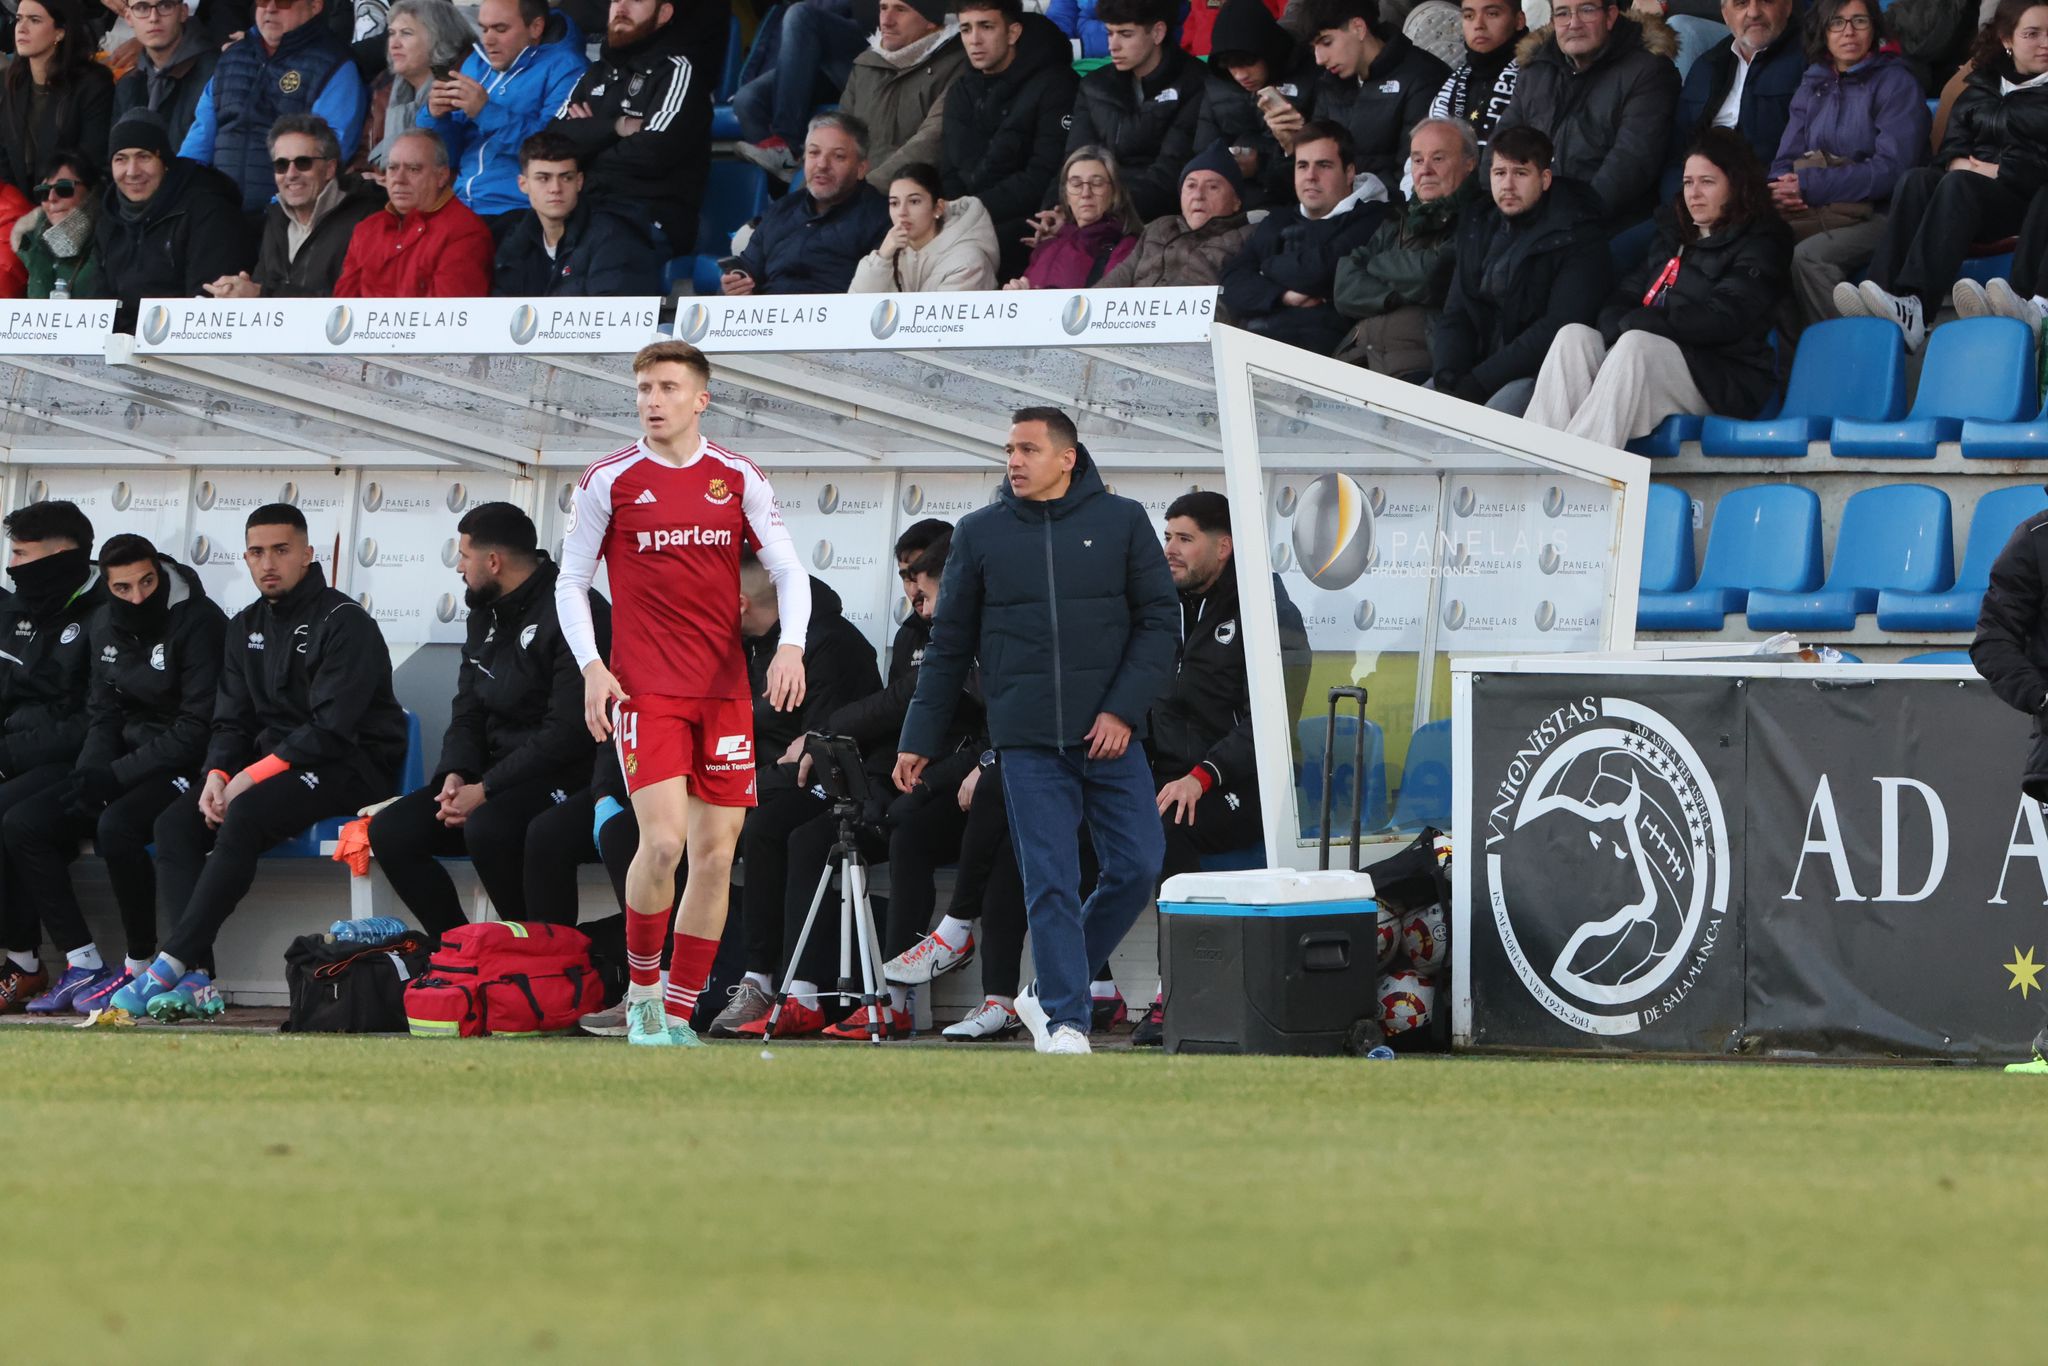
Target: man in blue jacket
(509, 86)
(810, 240)
(286, 64)
(1059, 591)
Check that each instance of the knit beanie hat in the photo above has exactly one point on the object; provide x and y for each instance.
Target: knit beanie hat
(1216, 157)
(144, 129)
(934, 11)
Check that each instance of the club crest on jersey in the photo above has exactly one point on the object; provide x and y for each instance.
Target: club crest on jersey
(156, 658)
(717, 492)
(632, 764)
(70, 634)
(526, 636)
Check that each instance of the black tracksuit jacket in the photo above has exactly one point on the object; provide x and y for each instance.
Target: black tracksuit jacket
(307, 678)
(518, 713)
(44, 678)
(151, 702)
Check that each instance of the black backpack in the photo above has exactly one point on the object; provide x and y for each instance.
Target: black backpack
(349, 987)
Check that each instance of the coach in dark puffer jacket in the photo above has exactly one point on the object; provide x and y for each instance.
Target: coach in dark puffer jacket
(1004, 131)
(1061, 595)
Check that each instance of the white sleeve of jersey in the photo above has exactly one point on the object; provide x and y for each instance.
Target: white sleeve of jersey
(590, 513)
(779, 558)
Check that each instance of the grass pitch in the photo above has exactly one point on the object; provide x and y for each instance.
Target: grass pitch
(237, 1199)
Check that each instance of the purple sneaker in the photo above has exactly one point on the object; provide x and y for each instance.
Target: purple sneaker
(73, 987)
(99, 997)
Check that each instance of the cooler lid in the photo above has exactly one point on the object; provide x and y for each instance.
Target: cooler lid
(1268, 887)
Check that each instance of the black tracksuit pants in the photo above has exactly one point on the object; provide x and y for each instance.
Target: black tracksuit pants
(203, 874)
(408, 840)
(42, 839)
(1935, 217)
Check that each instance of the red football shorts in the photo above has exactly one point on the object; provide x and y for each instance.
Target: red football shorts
(707, 740)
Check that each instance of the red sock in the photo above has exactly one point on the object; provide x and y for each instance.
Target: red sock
(689, 968)
(644, 934)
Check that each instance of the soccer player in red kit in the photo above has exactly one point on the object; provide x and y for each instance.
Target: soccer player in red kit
(669, 516)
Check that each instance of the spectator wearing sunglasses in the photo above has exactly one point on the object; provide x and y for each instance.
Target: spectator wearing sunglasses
(55, 94)
(171, 72)
(307, 227)
(54, 240)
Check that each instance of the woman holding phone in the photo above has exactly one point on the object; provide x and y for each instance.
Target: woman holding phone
(426, 41)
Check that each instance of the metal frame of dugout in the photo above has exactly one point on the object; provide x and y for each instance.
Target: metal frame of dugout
(1675, 852)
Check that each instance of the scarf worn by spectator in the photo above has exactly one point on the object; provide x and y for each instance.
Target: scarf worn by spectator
(72, 238)
(157, 79)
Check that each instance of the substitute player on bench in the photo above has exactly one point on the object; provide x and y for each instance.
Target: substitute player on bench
(669, 515)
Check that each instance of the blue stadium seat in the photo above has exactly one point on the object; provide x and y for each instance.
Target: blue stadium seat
(412, 777)
(1425, 796)
(1671, 433)
(1762, 536)
(1844, 368)
(1667, 541)
(1991, 527)
(2023, 440)
(734, 193)
(1343, 784)
(1985, 269)
(735, 57)
(1939, 657)
(1891, 536)
(725, 123)
(1975, 367)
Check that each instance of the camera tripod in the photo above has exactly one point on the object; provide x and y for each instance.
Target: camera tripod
(856, 928)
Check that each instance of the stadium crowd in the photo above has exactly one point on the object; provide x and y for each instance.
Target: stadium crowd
(1549, 219)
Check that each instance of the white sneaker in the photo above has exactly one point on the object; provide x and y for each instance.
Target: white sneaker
(1067, 1040)
(1034, 1017)
(1971, 300)
(606, 1024)
(2005, 301)
(929, 957)
(1906, 312)
(1849, 301)
(992, 1022)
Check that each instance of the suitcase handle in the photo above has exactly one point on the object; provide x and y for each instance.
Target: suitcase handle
(1357, 696)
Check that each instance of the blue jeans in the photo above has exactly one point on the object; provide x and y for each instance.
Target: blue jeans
(812, 57)
(1049, 793)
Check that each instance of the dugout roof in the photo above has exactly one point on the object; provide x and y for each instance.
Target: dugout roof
(1406, 526)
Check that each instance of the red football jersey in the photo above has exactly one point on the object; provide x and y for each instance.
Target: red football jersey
(670, 537)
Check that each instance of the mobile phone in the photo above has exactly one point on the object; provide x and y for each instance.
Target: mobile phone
(1270, 99)
(442, 73)
(728, 264)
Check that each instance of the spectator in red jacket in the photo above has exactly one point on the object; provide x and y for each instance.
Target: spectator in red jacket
(425, 243)
(13, 274)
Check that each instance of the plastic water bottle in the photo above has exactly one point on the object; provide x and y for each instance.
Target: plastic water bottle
(371, 931)
(1381, 1054)
(60, 290)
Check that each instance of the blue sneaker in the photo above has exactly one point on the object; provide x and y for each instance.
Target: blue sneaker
(75, 982)
(86, 1002)
(136, 996)
(194, 998)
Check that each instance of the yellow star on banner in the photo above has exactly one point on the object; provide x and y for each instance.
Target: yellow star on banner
(2026, 973)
